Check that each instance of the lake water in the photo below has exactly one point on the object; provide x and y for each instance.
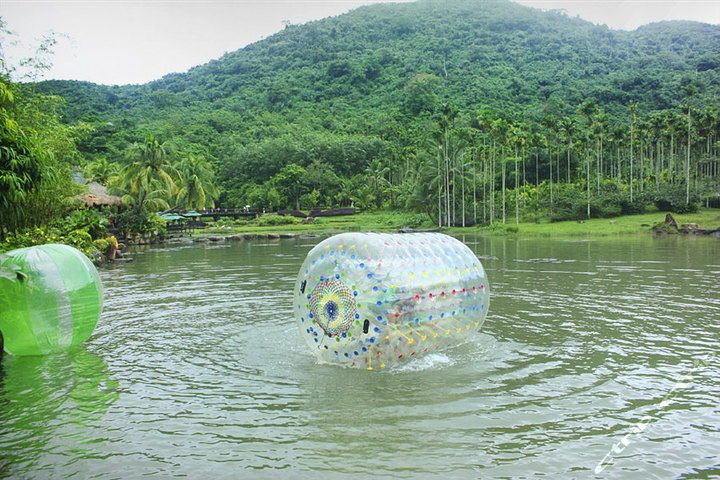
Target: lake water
(598, 359)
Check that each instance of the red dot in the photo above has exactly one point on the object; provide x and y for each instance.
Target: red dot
(454, 292)
(443, 294)
(399, 356)
(397, 314)
(431, 295)
(417, 297)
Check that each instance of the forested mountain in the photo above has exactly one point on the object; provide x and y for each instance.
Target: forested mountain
(355, 108)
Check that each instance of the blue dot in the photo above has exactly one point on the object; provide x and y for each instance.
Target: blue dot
(322, 257)
(356, 353)
(375, 288)
(370, 275)
(417, 320)
(384, 290)
(337, 276)
(308, 296)
(442, 315)
(332, 252)
(352, 257)
(344, 335)
(316, 340)
(379, 317)
(430, 317)
(346, 355)
(379, 303)
(376, 330)
(362, 265)
(357, 315)
(364, 349)
(355, 293)
(371, 340)
(453, 313)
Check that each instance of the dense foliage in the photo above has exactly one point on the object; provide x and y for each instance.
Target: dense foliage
(470, 110)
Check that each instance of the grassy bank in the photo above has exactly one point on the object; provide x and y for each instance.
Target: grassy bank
(624, 225)
(389, 221)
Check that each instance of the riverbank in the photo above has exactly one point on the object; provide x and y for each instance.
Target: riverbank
(386, 221)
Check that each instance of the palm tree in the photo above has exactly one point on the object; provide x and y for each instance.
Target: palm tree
(568, 128)
(690, 92)
(196, 184)
(633, 113)
(150, 177)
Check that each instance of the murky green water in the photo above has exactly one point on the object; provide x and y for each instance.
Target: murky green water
(597, 360)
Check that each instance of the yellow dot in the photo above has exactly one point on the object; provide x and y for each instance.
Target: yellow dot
(387, 338)
(447, 332)
(411, 275)
(467, 327)
(393, 287)
(458, 330)
(382, 365)
(437, 272)
(369, 368)
(424, 337)
(435, 336)
(477, 323)
(425, 274)
(411, 340)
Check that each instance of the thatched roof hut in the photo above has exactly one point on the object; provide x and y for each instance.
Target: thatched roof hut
(98, 197)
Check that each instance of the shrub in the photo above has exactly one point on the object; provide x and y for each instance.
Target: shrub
(671, 198)
(273, 220)
(88, 220)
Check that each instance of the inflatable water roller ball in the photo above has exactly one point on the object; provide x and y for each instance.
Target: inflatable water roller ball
(373, 300)
(54, 305)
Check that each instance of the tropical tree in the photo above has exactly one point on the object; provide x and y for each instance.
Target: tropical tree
(150, 178)
(196, 188)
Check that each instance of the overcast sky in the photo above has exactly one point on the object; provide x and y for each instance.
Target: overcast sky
(135, 41)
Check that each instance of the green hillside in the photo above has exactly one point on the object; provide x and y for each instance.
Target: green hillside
(439, 107)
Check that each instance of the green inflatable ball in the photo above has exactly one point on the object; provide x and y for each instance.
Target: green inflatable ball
(52, 303)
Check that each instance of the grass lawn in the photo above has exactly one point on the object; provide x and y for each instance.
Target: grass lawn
(389, 221)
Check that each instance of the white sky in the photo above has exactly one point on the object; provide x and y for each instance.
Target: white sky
(134, 41)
